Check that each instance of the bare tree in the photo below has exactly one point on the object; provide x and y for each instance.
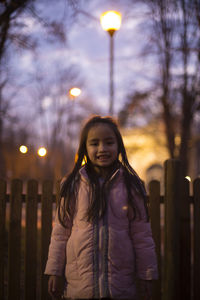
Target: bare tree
(12, 24)
(174, 38)
(14, 36)
(6, 117)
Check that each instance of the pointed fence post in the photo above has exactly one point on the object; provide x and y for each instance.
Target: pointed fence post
(171, 287)
(31, 240)
(14, 241)
(57, 192)
(2, 235)
(185, 242)
(47, 200)
(196, 264)
(154, 199)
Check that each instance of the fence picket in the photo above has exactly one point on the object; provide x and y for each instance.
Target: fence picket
(171, 287)
(46, 228)
(57, 192)
(31, 240)
(185, 242)
(154, 199)
(2, 234)
(196, 264)
(14, 249)
(174, 267)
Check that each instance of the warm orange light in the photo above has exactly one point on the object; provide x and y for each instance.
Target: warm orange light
(75, 92)
(23, 149)
(84, 161)
(42, 151)
(110, 20)
(177, 140)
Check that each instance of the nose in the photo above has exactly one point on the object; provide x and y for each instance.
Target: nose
(102, 147)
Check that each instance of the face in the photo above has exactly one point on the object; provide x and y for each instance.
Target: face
(102, 146)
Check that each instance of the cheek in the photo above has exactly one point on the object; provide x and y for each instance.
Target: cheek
(116, 152)
(87, 150)
(90, 152)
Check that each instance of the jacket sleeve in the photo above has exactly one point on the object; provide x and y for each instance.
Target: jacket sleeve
(57, 250)
(143, 243)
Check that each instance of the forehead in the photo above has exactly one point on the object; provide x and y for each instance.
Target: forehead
(101, 131)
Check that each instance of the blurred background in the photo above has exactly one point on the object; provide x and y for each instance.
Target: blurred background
(149, 69)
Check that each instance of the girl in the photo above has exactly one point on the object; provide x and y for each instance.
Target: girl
(101, 239)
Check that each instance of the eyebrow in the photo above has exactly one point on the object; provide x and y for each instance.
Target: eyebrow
(109, 138)
(93, 140)
(96, 140)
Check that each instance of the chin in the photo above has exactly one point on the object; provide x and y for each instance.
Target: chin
(106, 165)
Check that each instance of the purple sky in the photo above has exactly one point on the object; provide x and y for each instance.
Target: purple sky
(88, 48)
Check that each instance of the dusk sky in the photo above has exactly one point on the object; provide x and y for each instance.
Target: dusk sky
(40, 77)
(87, 48)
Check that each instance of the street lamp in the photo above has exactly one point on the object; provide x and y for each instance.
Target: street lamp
(74, 92)
(111, 22)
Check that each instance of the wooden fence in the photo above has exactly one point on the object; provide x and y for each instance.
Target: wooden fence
(24, 247)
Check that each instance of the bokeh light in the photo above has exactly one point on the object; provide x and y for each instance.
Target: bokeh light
(75, 92)
(42, 151)
(23, 149)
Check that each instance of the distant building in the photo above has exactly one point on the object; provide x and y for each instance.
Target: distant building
(147, 151)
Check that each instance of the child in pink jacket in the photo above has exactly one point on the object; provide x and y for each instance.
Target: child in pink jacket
(101, 240)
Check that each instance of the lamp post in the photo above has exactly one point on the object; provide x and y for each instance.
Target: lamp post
(73, 94)
(111, 22)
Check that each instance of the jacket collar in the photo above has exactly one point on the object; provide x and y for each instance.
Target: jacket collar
(84, 175)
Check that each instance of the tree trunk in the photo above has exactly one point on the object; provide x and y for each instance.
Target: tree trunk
(169, 128)
(5, 17)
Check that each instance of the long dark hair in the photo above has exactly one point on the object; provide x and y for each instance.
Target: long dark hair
(69, 188)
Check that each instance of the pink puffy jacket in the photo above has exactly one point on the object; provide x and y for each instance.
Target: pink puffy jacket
(105, 258)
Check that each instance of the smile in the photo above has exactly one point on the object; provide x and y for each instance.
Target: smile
(102, 157)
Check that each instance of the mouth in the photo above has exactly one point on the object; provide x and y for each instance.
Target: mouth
(103, 157)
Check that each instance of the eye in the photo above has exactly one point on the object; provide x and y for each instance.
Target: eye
(110, 142)
(93, 144)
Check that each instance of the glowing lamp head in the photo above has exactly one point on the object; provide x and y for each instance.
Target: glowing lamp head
(23, 149)
(111, 21)
(75, 92)
(42, 151)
